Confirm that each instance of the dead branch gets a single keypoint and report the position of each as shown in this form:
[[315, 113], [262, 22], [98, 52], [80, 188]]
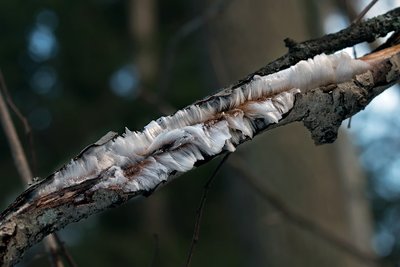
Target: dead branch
[[15, 145], [114, 169], [183, 32], [21, 162], [200, 209]]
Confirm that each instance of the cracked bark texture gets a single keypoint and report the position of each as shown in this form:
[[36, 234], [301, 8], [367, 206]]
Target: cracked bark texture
[[322, 110]]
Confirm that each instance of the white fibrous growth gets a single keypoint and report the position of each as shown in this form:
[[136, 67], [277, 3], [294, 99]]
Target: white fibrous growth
[[139, 161]]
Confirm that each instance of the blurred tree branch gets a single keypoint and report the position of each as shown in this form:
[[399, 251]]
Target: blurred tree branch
[[21, 163], [52, 242], [200, 209], [183, 32], [296, 218]]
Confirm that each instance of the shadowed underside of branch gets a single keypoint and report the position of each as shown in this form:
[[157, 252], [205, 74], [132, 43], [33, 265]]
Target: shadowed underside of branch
[[321, 92]]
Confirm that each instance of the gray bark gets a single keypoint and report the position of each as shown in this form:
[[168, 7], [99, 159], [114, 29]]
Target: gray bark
[[33, 215]]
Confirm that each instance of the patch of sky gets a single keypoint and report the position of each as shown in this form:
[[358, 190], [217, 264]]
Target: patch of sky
[[376, 131], [383, 242], [387, 102], [377, 120], [335, 21], [124, 81], [379, 7], [374, 156], [388, 183]]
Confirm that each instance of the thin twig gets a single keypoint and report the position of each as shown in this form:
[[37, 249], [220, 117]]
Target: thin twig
[[21, 162], [357, 20], [298, 219], [15, 145], [200, 209], [62, 200], [67, 255], [183, 32], [22, 118], [302, 222], [52, 249], [365, 11], [349, 123]]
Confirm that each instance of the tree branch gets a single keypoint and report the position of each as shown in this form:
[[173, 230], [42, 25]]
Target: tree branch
[[21, 162], [17, 151], [321, 92], [366, 31], [298, 219]]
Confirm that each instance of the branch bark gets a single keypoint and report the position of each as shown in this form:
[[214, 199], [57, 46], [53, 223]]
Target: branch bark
[[90, 184], [21, 161]]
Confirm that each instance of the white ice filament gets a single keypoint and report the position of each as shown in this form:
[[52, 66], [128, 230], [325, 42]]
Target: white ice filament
[[142, 160]]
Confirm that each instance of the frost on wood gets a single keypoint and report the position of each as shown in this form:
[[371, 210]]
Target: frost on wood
[[140, 161], [117, 168]]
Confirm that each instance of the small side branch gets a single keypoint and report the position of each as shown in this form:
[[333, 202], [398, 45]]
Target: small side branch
[[296, 218], [366, 31], [199, 212], [16, 148], [51, 241]]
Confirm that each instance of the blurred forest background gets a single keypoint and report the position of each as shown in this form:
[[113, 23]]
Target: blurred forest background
[[78, 69]]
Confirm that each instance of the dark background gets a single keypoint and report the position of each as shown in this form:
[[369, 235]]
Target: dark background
[[78, 69]]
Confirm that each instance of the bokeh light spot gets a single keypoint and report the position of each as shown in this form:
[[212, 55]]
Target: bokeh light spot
[[44, 80], [124, 81]]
